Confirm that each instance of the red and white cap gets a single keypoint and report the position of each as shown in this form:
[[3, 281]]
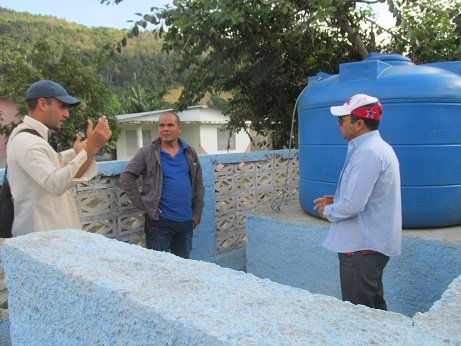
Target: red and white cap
[[361, 105]]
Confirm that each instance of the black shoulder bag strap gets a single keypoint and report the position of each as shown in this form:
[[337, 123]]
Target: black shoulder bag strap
[[34, 132], [6, 201]]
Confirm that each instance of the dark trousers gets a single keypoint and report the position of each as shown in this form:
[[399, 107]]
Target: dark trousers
[[169, 235], [362, 278]]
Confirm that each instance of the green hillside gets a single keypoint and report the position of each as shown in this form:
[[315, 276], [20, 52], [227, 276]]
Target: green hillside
[[85, 60], [141, 62]]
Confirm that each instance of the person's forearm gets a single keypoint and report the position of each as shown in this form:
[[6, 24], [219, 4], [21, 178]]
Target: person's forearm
[[85, 166]]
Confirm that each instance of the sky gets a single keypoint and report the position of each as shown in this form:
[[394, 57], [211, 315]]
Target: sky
[[87, 12]]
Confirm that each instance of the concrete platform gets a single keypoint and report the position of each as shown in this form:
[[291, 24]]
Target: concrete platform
[[294, 214]]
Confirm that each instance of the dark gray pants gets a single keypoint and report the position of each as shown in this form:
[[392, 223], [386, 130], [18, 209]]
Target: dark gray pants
[[362, 278]]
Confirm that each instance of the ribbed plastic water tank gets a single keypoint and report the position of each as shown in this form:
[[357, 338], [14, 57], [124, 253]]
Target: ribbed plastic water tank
[[421, 120]]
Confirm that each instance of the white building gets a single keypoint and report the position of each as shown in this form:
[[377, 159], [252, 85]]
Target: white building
[[202, 128]]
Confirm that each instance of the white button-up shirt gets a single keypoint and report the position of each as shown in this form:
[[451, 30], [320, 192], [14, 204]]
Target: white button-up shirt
[[41, 181], [366, 213]]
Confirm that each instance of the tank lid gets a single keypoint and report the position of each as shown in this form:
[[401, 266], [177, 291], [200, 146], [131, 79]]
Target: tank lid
[[389, 58]]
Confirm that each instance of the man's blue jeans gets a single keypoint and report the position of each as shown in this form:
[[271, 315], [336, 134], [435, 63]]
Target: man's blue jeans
[[169, 235]]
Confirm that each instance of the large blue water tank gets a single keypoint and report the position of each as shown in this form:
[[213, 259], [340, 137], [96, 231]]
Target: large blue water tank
[[421, 120]]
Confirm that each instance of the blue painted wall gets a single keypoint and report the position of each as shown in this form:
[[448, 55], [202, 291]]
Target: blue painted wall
[[204, 242], [289, 251]]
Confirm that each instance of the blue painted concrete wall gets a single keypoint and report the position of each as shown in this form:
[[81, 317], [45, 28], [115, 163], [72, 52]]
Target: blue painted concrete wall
[[204, 242], [91, 290], [291, 253], [286, 247]]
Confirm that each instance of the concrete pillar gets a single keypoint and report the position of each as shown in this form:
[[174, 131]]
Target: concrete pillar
[[139, 135]]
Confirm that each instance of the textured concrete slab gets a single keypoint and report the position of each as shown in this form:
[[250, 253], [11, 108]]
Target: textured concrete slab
[[74, 288], [5, 339]]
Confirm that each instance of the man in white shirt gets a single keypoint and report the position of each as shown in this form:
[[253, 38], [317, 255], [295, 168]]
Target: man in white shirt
[[365, 212], [41, 178]]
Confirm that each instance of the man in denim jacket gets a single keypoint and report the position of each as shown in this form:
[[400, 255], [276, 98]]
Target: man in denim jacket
[[172, 188]]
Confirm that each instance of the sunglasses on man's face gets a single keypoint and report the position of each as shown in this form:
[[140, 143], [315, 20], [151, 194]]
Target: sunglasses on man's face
[[341, 119]]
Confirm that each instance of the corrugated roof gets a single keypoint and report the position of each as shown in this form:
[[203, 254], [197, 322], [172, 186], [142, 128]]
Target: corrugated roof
[[197, 114]]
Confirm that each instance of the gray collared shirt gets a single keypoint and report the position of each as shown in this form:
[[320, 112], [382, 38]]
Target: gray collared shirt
[[366, 213]]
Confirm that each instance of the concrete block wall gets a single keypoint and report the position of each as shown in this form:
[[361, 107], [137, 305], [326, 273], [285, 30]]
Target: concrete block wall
[[234, 185], [70, 287], [286, 247]]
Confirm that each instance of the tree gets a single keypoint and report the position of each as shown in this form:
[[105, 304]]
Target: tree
[[262, 50], [141, 100], [59, 64], [256, 51], [427, 30], [141, 62]]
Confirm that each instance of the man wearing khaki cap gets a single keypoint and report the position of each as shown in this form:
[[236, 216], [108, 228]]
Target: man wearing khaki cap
[[41, 178], [365, 212]]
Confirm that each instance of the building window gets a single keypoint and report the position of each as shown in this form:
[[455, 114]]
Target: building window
[[224, 140], [146, 137], [132, 140]]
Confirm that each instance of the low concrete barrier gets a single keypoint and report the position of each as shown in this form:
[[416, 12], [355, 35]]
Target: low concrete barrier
[[70, 287], [286, 247]]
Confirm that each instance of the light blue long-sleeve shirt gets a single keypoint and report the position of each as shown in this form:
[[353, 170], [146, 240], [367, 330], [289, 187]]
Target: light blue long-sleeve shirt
[[367, 213]]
